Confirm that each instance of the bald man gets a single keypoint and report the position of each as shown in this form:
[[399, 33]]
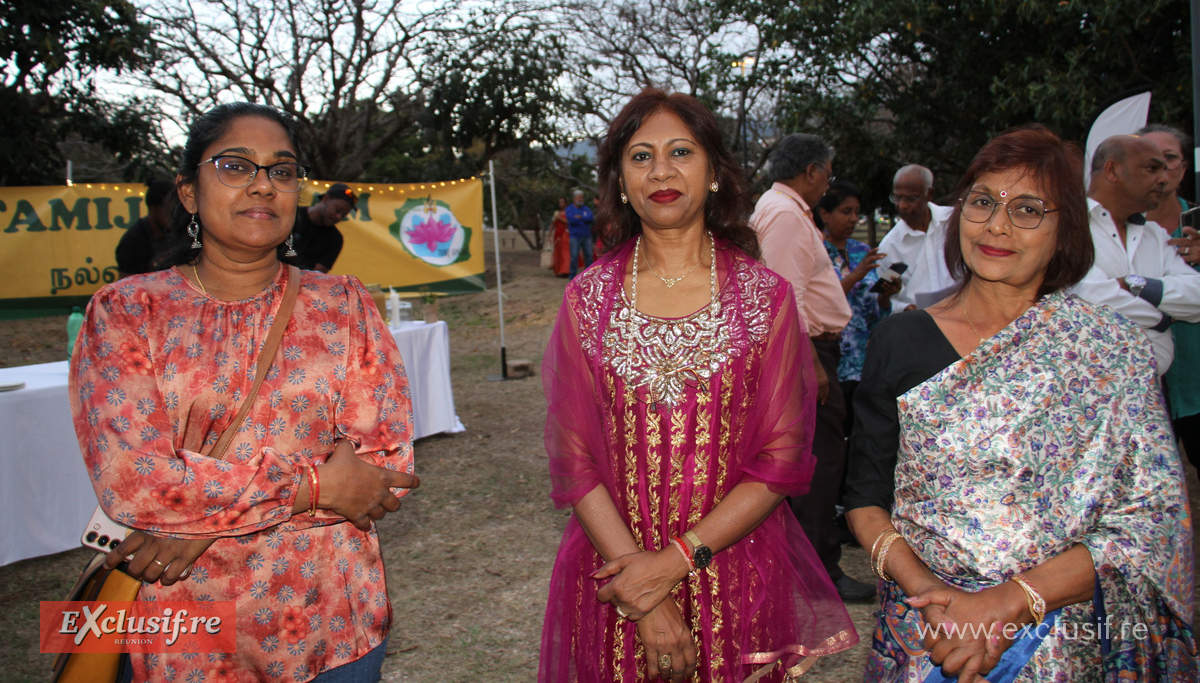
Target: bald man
[[1136, 272], [918, 238]]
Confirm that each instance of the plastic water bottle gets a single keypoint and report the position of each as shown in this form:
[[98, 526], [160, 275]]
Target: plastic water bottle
[[393, 306], [74, 323]]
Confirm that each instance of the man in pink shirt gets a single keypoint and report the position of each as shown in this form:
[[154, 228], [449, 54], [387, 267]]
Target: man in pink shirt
[[800, 168]]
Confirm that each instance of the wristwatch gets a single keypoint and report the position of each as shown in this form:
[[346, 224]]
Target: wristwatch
[[701, 554], [1136, 284]]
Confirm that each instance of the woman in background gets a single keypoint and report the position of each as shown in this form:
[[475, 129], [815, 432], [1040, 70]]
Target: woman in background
[[837, 215], [562, 241]]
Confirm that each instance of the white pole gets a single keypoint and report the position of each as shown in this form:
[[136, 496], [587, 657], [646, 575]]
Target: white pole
[[499, 286]]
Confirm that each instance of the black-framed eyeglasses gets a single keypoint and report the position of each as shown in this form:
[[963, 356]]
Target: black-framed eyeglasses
[[898, 199], [234, 171], [1024, 212]]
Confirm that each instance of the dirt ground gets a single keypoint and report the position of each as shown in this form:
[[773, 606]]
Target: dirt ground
[[469, 554]]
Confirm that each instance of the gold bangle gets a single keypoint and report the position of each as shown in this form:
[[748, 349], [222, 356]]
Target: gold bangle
[[1033, 599], [314, 490], [880, 563], [875, 545]]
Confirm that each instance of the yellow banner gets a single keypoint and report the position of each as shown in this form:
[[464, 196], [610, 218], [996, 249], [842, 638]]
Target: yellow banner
[[59, 242]]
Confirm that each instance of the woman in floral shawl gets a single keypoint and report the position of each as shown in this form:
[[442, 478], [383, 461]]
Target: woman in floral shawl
[[1017, 480], [680, 415]]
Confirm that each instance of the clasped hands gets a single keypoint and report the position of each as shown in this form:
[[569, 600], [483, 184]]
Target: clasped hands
[[969, 632], [640, 589], [357, 490]]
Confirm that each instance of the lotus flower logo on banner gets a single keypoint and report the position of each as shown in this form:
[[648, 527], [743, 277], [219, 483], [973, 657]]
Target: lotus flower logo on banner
[[429, 231]]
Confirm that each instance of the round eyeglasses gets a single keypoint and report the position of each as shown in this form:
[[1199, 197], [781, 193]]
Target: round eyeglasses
[[1024, 212], [285, 176], [899, 199]]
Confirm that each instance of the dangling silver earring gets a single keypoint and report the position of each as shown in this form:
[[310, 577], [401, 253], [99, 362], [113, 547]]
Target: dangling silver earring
[[290, 252], [193, 231], [713, 187], [624, 199]]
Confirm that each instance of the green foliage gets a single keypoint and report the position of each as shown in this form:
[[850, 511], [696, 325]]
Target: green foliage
[[495, 85], [50, 52], [890, 82]]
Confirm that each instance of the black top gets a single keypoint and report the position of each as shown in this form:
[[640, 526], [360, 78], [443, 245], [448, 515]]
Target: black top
[[315, 244], [135, 251], [905, 349]]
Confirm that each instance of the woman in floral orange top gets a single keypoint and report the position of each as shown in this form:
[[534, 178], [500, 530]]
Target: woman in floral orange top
[[163, 363]]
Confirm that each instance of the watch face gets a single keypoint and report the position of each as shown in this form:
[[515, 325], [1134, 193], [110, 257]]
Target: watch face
[[701, 556], [1135, 281]]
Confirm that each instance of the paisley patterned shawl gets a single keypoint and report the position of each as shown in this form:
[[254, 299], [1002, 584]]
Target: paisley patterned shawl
[[1048, 435]]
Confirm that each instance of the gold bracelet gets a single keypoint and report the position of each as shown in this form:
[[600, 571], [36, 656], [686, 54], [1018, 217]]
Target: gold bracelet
[[875, 545], [881, 560], [1033, 600]]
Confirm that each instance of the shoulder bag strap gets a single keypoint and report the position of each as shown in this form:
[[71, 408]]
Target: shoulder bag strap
[[265, 359]]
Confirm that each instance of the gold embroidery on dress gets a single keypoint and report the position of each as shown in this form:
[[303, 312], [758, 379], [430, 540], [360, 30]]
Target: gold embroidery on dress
[[654, 476], [694, 599], [723, 444], [631, 469], [700, 468], [718, 640], [675, 474]]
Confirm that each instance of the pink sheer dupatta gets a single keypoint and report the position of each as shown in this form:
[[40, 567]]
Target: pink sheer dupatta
[[745, 415]]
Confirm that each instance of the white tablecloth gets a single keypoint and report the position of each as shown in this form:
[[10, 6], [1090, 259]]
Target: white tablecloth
[[45, 496], [425, 348]]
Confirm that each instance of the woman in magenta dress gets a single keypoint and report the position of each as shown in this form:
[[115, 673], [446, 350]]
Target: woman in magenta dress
[[161, 366], [681, 403]]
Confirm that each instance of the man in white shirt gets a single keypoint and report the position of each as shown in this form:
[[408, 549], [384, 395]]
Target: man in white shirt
[[1136, 272], [918, 238]]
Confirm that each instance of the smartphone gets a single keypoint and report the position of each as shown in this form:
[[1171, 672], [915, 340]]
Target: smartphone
[[102, 533], [892, 273]]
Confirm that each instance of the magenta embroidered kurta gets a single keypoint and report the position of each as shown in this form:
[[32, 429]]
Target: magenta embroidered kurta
[[669, 415], [160, 371]]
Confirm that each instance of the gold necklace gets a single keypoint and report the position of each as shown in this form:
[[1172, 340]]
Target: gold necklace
[[199, 281], [668, 281], [968, 319]]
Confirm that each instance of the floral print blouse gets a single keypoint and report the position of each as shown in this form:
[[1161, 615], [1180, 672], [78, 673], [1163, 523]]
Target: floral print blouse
[[161, 369], [864, 306]]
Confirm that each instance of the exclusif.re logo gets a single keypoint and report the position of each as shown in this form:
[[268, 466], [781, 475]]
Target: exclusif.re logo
[[141, 626]]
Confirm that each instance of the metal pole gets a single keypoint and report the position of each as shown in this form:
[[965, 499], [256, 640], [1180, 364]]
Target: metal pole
[[499, 285]]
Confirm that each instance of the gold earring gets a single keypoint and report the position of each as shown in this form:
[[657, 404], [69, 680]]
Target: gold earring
[[713, 187], [624, 199]]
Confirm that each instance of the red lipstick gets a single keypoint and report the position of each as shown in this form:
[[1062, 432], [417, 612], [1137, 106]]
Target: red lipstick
[[995, 251], [665, 196]]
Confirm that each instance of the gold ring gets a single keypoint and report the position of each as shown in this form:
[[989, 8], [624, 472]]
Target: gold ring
[[664, 663], [159, 563]]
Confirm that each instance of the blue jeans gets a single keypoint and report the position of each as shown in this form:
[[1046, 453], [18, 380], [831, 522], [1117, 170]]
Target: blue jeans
[[577, 244], [365, 669]]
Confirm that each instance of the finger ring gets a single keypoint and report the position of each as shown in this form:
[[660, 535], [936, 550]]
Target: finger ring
[[159, 563], [621, 613], [664, 662], [1186, 250]]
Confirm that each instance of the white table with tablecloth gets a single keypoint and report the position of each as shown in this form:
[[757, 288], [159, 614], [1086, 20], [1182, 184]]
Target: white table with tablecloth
[[45, 496]]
